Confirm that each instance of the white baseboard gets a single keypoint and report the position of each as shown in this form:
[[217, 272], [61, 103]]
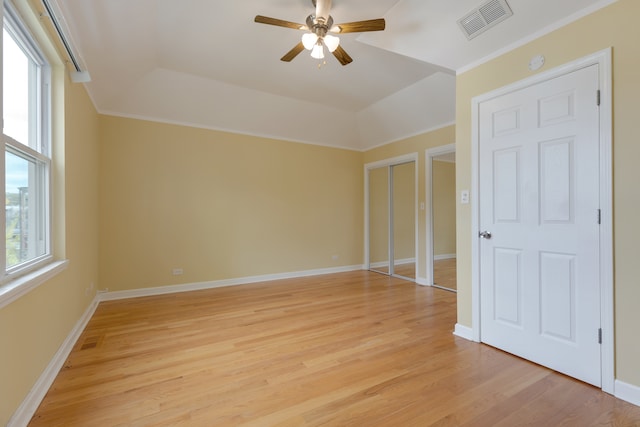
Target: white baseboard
[[405, 261], [161, 290], [397, 262], [463, 332], [443, 256], [30, 404], [627, 392]]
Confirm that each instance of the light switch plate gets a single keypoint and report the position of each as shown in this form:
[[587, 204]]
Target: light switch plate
[[464, 197]]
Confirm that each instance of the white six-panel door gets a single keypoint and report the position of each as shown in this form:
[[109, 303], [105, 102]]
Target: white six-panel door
[[539, 207]]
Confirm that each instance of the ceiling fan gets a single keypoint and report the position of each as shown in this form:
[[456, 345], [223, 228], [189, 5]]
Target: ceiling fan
[[319, 25]]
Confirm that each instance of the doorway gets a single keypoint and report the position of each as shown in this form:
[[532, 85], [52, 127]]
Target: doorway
[[440, 174], [391, 216], [542, 280]]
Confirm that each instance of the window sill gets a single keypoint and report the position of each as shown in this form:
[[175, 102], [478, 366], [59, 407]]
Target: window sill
[[16, 288]]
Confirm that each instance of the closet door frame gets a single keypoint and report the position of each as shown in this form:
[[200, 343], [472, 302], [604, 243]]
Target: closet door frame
[[389, 163]]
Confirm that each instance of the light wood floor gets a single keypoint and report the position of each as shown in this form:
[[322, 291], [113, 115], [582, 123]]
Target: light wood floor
[[350, 349], [444, 273]]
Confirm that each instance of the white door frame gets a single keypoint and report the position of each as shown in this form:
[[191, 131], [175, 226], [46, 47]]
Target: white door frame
[[428, 176], [603, 60], [407, 158]]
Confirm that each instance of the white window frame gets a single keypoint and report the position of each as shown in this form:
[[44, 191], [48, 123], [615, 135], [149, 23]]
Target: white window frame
[[19, 279]]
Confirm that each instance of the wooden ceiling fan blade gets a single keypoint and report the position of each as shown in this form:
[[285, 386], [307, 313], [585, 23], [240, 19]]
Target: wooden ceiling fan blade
[[360, 26], [288, 57], [279, 23], [342, 56]]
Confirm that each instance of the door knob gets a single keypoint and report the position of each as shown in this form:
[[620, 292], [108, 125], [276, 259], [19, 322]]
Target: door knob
[[485, 235]]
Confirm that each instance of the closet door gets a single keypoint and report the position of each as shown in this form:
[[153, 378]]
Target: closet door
[[403, 220], [379, 220]]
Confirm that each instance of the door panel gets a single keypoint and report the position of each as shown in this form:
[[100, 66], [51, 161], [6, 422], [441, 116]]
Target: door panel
[[507, 284], [557, 296], [505, 177], [557, 181], [539, 199]]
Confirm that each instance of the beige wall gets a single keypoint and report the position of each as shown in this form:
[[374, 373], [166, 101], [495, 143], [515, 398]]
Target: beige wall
[[614, 26], [444, 207], [33, 327], [417, 144], [221, 205]]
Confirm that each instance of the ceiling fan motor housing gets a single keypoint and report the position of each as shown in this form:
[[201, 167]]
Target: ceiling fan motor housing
[[318, 26]]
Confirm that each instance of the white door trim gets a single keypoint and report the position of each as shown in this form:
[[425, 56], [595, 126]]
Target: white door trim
[[603, 59], [428, 169]]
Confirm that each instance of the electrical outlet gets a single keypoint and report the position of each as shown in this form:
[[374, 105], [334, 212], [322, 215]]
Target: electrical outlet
[[177, 271], [335, 257], [89, 290]]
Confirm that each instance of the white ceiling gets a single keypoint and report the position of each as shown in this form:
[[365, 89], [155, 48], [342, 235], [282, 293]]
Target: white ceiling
[[205, 63]]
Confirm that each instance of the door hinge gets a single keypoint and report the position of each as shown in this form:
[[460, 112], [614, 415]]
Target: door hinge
[[599, 335], [598, 97], [599, 216]]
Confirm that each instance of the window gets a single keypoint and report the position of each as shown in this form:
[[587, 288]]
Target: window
[[27, 158]]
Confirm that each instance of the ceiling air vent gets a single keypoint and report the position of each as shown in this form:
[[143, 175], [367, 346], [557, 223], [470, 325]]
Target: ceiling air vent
[[484, 17]]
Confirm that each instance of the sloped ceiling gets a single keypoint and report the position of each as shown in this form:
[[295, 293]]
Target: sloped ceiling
[[205, 63]]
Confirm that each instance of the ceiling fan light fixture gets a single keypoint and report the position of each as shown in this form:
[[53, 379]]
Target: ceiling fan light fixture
[[309, 40], [331, 42], [316, 30], [318, 51]]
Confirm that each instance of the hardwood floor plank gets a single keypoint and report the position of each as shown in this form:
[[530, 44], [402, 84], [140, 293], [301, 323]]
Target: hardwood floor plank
[[349, 349]]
